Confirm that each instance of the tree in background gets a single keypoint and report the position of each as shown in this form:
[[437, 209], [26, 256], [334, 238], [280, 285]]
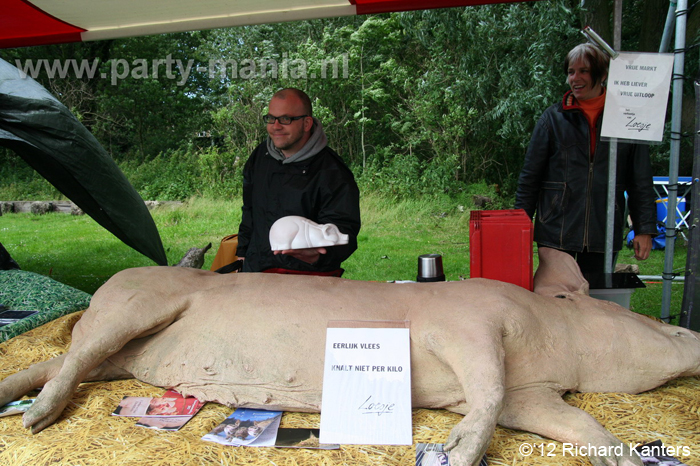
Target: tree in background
[[420, 102], [121, 89]]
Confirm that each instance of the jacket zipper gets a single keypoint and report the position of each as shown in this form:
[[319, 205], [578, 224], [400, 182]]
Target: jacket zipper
[[588, 203], [589, 193], [591, 161]]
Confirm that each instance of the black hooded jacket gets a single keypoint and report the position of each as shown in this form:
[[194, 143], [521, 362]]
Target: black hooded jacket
[[321, 188], [568, 189]]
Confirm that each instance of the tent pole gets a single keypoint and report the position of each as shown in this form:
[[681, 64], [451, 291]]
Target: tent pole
[[612, 160], [668, 28], [690, 317], [678, 66]]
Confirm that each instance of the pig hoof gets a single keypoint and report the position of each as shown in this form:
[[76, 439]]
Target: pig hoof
[[40, 416], [462, 455], [462, 452]]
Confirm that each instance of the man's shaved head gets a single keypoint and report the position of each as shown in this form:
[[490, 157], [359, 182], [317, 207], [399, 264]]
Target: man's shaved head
[[295, 93]]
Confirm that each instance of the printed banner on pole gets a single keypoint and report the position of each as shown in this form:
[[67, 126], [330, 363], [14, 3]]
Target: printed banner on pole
[[367, 387], [637, 96]]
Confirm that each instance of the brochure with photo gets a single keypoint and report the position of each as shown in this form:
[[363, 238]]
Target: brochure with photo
[[8, 317], [302, 438], [433, 454], [16, 407], [132, 406], [656, 454], [163, 422], [247, 427], [170, 404], [169, 412]]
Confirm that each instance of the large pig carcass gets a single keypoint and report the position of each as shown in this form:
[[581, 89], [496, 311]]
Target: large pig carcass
[[491, 351]]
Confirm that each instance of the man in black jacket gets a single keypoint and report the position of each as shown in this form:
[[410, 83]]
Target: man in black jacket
[[294, 172]]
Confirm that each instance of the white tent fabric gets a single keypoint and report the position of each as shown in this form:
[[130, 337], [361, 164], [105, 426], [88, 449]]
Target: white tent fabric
[[36, 22]]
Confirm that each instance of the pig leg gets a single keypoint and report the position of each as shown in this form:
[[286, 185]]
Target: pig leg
[[97, 336], [541, 410], [17, 385], [483, 381], [35, 376]]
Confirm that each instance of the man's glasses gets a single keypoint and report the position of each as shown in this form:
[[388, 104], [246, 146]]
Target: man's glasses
[[284, 120]]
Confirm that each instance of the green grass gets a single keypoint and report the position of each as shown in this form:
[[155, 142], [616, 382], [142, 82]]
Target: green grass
[[78, 252], [394, 235], [75, 250], [648, 300]]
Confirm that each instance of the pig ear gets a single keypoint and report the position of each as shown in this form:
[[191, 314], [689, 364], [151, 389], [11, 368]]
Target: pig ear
[[558, 272]]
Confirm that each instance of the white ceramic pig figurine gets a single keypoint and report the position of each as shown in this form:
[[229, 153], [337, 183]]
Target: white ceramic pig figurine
[[295, 232]]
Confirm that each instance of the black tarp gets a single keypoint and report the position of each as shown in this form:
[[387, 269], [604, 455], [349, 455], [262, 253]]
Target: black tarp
[[41, 130]]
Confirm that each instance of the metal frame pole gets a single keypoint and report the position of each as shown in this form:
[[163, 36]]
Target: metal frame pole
[[668, 27], [612, 159], [690, 317], [677, 103]]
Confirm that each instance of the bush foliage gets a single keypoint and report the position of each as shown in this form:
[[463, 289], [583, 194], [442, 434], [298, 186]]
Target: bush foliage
[[417, 103]]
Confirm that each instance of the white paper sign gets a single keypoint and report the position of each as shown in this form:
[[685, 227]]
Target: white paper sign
[[367, 387], [637, 96]]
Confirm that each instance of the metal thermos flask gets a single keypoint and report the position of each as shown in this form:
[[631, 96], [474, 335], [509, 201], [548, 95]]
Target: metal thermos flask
[[430, 268]]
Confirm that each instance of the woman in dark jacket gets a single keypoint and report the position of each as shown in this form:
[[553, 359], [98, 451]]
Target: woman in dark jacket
[[565, 176]]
